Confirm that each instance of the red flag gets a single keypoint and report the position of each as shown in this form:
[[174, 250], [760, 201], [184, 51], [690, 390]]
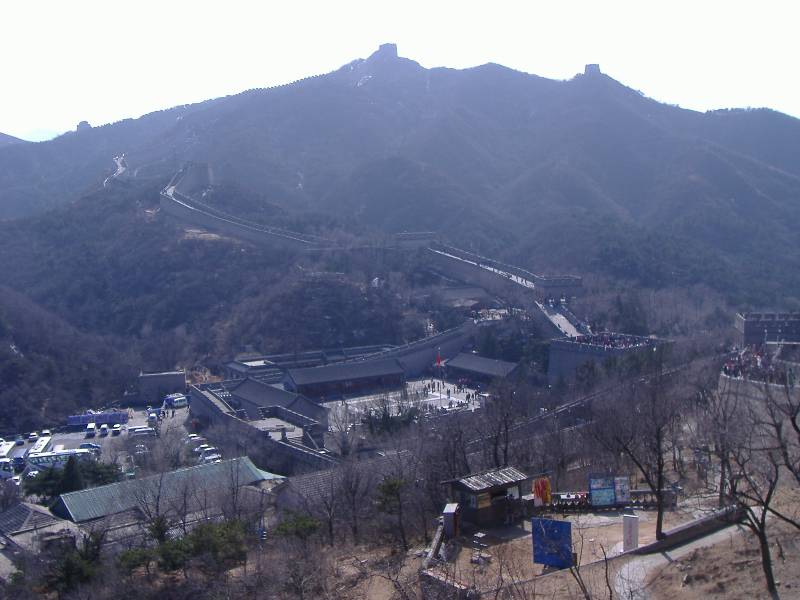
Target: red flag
[[438, 359]]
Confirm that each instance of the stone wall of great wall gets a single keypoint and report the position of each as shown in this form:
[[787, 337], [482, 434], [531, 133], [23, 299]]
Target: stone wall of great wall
[[418, 357], [188, 211], [279, 456], [495, 284]]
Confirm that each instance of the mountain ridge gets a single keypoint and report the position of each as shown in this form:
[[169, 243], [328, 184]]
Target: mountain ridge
[[501, 160]]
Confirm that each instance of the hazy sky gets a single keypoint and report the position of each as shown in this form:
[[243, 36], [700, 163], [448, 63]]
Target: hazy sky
[[66, 61]]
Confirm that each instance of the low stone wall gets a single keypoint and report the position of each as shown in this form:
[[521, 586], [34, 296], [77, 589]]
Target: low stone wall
[[280, 457], [694, 530], [434, 586]]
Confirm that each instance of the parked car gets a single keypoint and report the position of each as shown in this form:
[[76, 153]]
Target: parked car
[[103, 430], [46, 433], [18, 463], [116, 429], [90, 446], [32, 473], [201, 448], [32, 437], [20, 441], [210, 458]]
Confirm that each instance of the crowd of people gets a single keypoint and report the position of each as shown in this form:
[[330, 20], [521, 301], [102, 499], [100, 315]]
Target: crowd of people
[[757, 363], [613, 340]]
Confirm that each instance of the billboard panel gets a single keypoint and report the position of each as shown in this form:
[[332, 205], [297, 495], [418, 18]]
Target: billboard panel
[[601, 490], [552, 542], [622, 490]]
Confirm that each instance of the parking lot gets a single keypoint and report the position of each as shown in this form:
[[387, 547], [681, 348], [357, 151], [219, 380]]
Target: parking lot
[[110, 445]]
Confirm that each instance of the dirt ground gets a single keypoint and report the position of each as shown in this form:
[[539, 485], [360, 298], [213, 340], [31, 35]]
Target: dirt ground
[[731, 570], [592, 534]]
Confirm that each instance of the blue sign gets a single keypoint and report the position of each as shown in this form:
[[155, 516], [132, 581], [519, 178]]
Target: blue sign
[[552, 542], [601, 491]]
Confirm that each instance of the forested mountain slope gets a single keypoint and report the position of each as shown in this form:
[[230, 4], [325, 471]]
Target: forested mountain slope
[[575, 175]]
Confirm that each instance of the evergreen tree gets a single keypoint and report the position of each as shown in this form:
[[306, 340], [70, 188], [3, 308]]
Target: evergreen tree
[[71, 478]]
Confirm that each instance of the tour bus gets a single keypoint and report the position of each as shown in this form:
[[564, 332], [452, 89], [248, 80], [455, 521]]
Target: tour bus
[[6, 468], [91, 430], [40, 446], [6, 448], [142, 431], [57, 460]]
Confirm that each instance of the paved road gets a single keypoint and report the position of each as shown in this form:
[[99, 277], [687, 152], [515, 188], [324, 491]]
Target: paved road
[[559, 320]]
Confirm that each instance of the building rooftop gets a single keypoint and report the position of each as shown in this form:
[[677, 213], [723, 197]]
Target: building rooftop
[[107, 500], [263, 394], [491, 479], [346, 371], [361, 473], [274, 427], [24, 517], [490, 367]]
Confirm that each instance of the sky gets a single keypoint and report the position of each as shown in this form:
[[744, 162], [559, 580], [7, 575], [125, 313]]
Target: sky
[[64, 62]]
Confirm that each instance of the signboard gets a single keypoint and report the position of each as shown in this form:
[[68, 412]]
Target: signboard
[[552, 542], [601, 490], [630, 532], [484, 501], [622, 490]]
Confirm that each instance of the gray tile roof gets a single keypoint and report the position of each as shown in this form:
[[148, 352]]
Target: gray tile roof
[[106, 500], [486, 480], [309, 487], [263, 394], [484, 366], [25, 516], [362, 369]]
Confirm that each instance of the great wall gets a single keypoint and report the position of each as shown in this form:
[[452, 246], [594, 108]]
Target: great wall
[[514, 284]]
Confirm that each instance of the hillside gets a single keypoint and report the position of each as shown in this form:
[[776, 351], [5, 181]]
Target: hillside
[[7, 140], [49, 369], [583, 175]]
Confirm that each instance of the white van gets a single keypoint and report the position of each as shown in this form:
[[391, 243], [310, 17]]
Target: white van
[[91, 430], [103, 430]]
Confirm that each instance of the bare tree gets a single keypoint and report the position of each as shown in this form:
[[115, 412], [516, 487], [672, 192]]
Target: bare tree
[[782, 419], [354, 483], [502, 412], [153, 502], [755, 474], [636, 423], [719, 425]]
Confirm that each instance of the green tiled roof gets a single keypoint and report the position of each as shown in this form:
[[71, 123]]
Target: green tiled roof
[[115, 498]]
